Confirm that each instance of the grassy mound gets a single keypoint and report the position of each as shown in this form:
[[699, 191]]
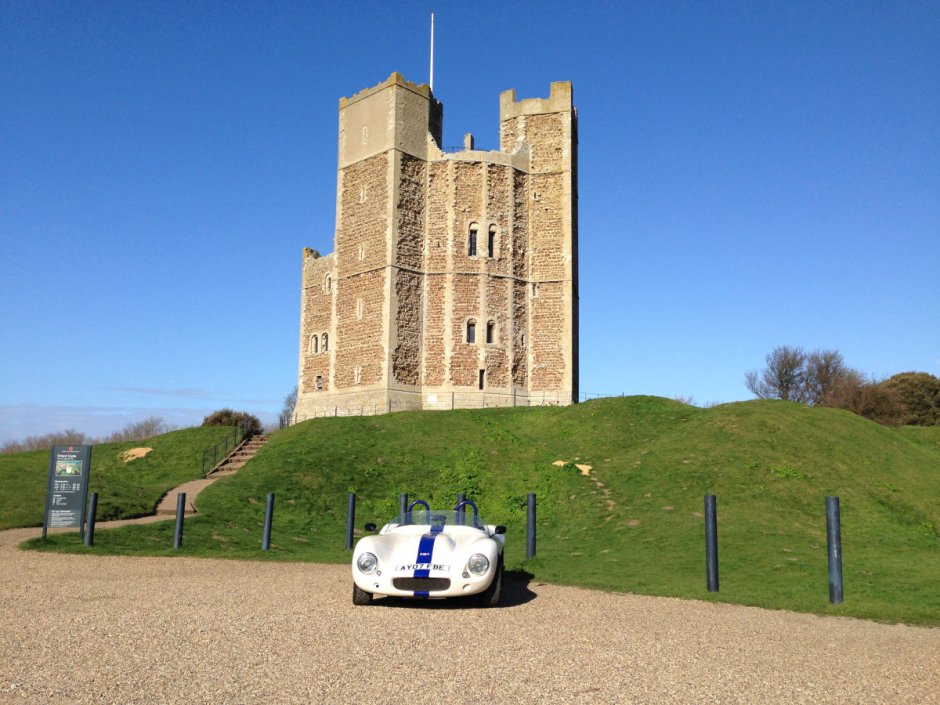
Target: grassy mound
[[634, 522], [126, 488]]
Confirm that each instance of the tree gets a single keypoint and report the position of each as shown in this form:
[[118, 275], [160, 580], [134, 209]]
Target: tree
[[826, 372], [139, 430], [228, 417], [287, 411], [871, 399], [783, 378], [919, 394]]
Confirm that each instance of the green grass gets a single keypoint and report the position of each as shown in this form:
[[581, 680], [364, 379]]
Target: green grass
[[125, 489], [635, 524]]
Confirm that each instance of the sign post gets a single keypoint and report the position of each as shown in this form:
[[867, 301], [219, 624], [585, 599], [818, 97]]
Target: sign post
[[67, 491]]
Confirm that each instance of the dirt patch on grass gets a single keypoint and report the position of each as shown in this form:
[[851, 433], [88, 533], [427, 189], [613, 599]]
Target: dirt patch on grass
[[134, 453]]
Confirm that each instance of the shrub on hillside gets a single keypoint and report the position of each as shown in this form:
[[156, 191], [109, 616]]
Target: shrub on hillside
[[228, 417], [919, 393]]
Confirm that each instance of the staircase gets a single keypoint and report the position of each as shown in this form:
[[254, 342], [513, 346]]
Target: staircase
[[229, 466], [241, 455]]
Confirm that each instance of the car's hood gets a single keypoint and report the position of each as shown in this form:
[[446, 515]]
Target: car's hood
[[409, 545]]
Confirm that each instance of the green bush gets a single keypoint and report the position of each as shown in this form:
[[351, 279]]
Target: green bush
[[228, 417]]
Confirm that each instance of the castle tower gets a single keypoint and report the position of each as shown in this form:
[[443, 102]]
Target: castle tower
[[453, 281]]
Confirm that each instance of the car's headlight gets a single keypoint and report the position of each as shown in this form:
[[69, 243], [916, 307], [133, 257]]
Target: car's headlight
[[478, 564], [367, 562]]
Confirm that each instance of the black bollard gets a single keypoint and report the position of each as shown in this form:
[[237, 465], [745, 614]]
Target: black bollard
[[350, 520], [834, 540], [460, 512], [530, 526], [180, 510], [92, 508], [268, 518], [711, 543]]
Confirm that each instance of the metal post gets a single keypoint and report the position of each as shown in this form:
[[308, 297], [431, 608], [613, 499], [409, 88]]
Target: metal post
[[711, 543], [403, 505], [180, 510], [834, 540], [92, 508], [350, 520], [460, 512], [268, 518], [530, 526]]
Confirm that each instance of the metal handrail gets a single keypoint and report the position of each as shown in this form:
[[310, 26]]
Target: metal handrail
[[211, 457]]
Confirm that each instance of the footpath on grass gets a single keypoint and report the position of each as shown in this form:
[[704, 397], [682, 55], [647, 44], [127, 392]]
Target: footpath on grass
[[166, 508]]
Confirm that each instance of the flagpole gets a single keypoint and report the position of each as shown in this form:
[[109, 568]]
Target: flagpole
[[431, 83]]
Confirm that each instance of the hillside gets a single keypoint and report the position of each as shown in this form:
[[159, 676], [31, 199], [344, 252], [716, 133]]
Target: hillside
[[635, 522], [128, 487]]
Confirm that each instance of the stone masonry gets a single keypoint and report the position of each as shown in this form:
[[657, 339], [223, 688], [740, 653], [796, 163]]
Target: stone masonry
[[454, 277]]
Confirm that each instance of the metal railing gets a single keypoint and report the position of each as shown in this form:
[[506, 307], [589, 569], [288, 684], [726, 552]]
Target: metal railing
[[211, 457]]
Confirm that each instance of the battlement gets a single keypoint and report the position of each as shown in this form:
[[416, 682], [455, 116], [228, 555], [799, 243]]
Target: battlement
[[560, 99], [394, 79]]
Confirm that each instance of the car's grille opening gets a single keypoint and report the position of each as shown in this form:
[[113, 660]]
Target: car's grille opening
[[422, 584]]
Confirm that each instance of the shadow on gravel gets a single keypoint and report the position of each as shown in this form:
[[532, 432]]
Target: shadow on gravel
[[515, 592]]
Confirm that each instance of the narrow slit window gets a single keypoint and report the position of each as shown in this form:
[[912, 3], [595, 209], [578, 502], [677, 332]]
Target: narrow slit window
[[491, 243], [326, 342], [471, 331], [472, 242], [482, 377], [490, 331], [319, 381]]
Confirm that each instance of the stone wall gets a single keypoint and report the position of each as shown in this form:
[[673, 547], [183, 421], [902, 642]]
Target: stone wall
[[404, 284]]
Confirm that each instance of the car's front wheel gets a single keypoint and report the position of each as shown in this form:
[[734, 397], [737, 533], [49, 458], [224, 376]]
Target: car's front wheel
[[490, 596], [360, 596]]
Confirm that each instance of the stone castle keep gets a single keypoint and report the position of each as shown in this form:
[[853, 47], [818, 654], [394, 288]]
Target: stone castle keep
[[454, 277]]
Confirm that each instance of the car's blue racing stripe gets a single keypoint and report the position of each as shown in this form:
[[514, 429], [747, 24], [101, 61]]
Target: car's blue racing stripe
[[425, 550]]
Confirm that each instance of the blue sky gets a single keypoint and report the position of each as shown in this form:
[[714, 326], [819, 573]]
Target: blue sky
[[751, 174]]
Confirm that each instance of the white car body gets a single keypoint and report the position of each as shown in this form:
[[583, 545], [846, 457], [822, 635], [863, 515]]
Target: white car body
[[427, 555]]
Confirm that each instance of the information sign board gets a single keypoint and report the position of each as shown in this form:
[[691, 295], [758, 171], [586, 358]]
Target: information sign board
[[67, 492]]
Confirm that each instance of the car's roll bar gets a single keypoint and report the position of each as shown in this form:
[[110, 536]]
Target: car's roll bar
[[476, 513]]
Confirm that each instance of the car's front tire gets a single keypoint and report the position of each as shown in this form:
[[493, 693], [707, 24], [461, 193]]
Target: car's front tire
[[490, 596], [360, 596]]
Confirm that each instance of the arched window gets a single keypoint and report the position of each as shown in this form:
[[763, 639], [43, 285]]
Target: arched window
[[326, 342], [313, 346], [490, 332], [491, 242], [471, 331], [472, 240], [328, 283]]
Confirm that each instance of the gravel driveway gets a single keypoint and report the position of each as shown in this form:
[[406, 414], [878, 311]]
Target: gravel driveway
[[79, 629]]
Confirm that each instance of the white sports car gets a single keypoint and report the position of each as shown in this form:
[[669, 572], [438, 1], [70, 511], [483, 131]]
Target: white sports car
[[430, 553]]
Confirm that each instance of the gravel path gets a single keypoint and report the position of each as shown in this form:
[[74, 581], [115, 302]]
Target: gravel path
[[82, 629]]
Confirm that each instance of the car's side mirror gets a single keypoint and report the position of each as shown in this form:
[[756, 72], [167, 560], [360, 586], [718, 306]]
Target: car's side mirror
[[500, 529], [370, 526]]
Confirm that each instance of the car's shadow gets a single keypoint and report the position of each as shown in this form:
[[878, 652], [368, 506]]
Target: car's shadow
[[515, 592]]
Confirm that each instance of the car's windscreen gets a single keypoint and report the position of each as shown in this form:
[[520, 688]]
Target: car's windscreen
[[435, 518]]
